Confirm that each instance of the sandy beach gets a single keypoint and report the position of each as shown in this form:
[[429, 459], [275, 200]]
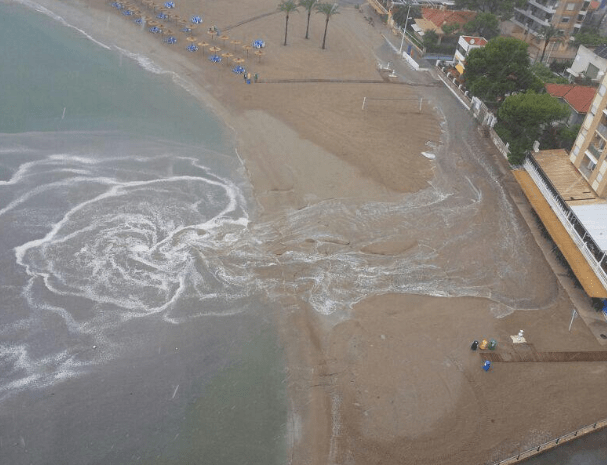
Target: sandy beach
[[389, 376]]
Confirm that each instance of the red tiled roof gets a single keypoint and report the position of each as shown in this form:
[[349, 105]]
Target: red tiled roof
[[579, 97], [480, 41], [594, 5], [441, 17]]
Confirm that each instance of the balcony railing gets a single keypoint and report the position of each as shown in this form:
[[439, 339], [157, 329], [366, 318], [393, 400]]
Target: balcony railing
[[602, 130], [595, 151], [549, 7], [595, 257]]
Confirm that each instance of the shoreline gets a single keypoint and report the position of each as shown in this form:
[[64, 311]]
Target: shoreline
[[436, 403]]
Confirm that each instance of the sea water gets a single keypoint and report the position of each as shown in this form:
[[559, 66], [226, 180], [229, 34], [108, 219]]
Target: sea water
[[129, 332]]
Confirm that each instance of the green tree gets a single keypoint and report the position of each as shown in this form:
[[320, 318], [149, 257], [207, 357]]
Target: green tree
[[430, 39], [287, 7], [328, 10], [522, 118], [548, 34], [308, 5], [499, 68], [486, 25], [547, 75], [501, 8], [450, 29], [399, 14], [589, 36]]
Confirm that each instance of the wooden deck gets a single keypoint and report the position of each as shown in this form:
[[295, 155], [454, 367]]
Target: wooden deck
[[533, 356], [560, 236], [566, 179]]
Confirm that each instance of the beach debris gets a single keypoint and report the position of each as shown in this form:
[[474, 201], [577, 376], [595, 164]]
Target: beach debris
[[192, 48], [259, 43], [486, 365], [169, 4], [519, 338], [474, 345], [196, 19], [429, 155]]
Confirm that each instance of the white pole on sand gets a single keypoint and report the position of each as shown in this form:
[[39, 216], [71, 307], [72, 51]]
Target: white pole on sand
[[573, 315], [364, 101]]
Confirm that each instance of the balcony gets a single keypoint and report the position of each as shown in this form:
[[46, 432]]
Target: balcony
[[596, 151], [602, 130], [548, 7]]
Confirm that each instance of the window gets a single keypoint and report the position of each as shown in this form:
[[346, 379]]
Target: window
[[565, 19], [602, 90], [570, 6], [592, 71]]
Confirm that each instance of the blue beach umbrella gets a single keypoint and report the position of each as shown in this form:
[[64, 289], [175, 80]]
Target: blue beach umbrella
[[196, 19], [238, 70], [162, 15], [259, 43], [169, 4], [139, 21], [127, 12], [117, 5], [170, 40], [215, 58], [191, 48], [155, 30]]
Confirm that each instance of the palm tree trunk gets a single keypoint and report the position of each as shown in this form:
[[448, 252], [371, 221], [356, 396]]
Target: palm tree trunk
[[544, 51], [286, 28], [308, 25], [324, 37]]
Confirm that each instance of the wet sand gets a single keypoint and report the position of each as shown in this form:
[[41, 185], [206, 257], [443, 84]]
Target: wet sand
[[391, 379]]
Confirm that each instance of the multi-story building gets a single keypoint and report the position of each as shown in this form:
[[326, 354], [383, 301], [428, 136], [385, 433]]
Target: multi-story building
[[569, 193], [589, 154], [567, 16]]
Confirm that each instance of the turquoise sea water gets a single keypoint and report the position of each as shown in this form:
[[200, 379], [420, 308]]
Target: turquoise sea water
[[128, 331]]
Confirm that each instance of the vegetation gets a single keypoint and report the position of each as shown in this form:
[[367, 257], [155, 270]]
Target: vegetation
[[559, 137], [522, 118], [546, 75], [484, 24], [287, 7], [589, 36], [559, 67], [549, 34], [399, 14], [499, 69], [308, 5], [327, 9], [501, 8]]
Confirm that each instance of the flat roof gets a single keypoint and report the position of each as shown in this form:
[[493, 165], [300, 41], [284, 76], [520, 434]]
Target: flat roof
[[594, 219], [582, 270]]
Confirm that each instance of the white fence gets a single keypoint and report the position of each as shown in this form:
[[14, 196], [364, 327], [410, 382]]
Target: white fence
[[554, 443], [578, 233]]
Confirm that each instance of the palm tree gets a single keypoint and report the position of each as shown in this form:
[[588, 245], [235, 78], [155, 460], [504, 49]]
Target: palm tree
[[308, 6], [547, 33], [287, 6], [328, 10]]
